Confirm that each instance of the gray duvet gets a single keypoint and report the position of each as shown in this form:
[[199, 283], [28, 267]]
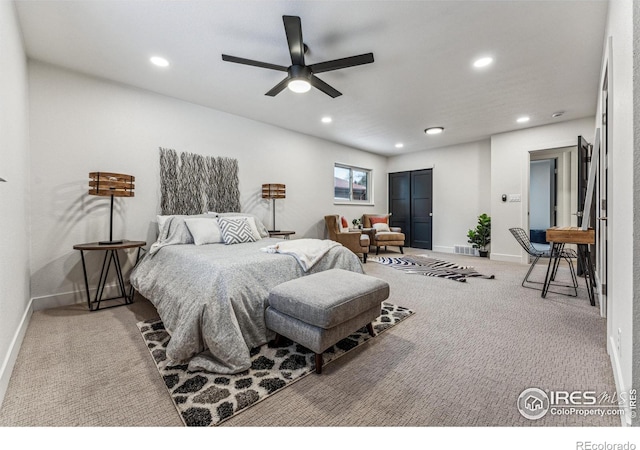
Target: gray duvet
[[212, 298]]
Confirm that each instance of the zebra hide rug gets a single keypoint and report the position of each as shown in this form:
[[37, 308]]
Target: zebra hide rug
[[430, 267]]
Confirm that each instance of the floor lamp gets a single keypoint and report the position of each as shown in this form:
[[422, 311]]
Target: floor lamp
[[107, 184], [273, 191]]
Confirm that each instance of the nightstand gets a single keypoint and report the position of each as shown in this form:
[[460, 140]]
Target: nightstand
[[284, 234], [110, 256]]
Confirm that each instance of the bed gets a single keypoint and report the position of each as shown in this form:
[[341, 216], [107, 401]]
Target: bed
[[212, 297]]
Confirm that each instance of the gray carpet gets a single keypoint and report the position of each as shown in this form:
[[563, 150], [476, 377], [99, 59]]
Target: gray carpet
[[462, 360]]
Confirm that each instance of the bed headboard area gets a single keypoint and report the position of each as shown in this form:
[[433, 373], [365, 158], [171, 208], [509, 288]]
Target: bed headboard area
[[195, 184]]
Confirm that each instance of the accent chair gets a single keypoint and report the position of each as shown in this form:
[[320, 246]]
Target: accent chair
[[355, 241], [384, 235]]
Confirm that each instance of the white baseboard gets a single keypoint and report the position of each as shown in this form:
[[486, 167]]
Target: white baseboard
[[56, 300], [71, 298], [12, 355], [625, 419], [506, 258], [442, 249]]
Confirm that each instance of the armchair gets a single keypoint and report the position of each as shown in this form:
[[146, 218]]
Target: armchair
[[384, 235], [355, 241]]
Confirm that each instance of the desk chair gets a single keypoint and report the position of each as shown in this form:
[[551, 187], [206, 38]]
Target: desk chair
[[544, 251]]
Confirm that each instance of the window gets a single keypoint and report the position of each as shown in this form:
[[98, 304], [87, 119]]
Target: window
[[351, 184]]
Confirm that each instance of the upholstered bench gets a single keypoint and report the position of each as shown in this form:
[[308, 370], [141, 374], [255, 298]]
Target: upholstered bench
[[319, 310]]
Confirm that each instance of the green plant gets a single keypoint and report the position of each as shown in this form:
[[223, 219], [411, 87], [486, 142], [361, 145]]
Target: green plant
[[355, 222], [481, 236]]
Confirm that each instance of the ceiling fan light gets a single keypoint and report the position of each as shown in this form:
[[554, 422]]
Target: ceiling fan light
[[299, 86]]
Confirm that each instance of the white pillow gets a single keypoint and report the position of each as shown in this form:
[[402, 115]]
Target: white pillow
[[162, 220], [204, 231], [381, 227]]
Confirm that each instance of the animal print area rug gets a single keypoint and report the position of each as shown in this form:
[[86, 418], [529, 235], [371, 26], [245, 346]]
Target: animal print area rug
[[423, 265], [204, 398]]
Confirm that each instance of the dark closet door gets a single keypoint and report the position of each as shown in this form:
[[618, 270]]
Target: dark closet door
[[400, 202], [584, 159], [421, 208]]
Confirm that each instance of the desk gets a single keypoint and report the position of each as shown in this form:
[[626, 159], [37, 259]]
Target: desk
[[558, 237], [110, 256]]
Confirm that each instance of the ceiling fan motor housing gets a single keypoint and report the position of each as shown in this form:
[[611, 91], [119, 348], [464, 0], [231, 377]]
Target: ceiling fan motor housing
[[299, 72]]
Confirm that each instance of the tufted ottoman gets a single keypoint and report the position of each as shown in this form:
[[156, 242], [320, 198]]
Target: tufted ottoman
[[319, 310]]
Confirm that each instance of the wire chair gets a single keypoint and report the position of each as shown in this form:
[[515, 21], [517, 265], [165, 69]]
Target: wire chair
[[567, 254]]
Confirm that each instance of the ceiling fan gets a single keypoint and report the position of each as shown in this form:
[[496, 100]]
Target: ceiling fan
[[301, 77]]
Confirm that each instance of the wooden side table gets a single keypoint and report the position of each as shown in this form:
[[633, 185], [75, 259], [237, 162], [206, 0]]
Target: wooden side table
[[110, 256], [284, 234]]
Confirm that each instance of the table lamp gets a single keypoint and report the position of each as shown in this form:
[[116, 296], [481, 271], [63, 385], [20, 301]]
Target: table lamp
[[273, 191], [114, 185]]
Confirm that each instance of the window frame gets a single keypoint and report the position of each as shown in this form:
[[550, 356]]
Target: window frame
[[351, 201]]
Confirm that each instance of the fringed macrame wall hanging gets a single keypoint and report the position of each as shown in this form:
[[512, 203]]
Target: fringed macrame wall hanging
[[194, 184]]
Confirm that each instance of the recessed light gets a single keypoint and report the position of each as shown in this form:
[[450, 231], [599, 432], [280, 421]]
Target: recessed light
[[434, 130], [399, 145], [555, 115], [482, 62], [159, 61], [326, 119], [523, 119]]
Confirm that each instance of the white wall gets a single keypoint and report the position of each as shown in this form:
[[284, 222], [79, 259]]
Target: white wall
[[81, 124], [14, 194], [510, 175], [461, 186], [621, 233]]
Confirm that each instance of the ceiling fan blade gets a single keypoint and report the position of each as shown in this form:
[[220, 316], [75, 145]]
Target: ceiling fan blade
[[324, 87], [250, 62], [293, 29], [342, 63], [278, 88]]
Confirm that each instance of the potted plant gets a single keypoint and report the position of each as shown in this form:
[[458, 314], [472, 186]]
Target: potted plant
[[481, 236], [356, 223]]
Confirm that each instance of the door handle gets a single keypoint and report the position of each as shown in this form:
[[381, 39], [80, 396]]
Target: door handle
[[430, 214], [603, 218]]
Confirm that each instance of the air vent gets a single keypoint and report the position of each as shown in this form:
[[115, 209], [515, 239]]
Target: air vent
[[465, 250]]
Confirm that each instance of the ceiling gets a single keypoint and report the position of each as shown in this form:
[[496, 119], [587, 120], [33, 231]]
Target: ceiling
[[547, 57]]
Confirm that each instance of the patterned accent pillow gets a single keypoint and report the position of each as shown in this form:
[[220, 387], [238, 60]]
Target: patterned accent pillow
[[236, 230], [375, 220]]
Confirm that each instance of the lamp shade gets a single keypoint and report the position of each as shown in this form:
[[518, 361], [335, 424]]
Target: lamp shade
[[273, 190], [108, 183]]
